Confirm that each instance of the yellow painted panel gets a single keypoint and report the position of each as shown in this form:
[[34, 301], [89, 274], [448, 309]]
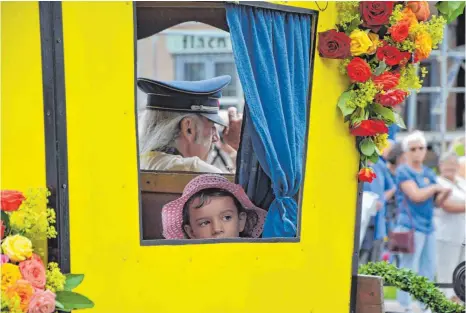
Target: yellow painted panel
[[22, 112], [121, 276]]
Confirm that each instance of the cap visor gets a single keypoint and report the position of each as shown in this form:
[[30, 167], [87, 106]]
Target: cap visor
[[217, 119]]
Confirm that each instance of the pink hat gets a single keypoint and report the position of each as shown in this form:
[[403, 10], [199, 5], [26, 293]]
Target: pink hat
[[172, 212]]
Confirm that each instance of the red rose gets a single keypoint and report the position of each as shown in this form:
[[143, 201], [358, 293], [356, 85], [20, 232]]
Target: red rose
[[366, 174], [375, 13], [391, 98], [392, 56], [11, 200], [358, 70], [334, 45], [387, 80], [399, 31], [2, 230], [369, 128]]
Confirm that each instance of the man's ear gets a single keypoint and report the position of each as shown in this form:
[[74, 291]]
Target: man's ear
[[189, 231], [242, 221], [188, 129]]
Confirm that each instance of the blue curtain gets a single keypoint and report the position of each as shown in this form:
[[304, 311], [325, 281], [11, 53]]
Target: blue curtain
[[271, 50]]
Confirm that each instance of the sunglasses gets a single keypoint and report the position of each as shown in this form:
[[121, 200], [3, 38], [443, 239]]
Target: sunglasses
[[413, 149]]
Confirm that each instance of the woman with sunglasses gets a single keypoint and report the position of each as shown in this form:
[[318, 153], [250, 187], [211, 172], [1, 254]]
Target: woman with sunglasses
[[418, 193]]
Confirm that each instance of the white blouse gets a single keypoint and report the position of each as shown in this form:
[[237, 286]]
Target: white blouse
[[451, 226]]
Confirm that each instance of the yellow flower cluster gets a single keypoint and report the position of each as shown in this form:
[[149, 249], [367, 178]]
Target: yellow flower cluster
[[11, 304], [34, 219], [363, 95], [409, 79], [348, 11], [55, 279], [381, 142], [343, 65]]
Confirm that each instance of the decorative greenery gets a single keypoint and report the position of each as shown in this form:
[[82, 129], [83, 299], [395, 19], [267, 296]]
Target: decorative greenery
[[450, 10], [418, 286], [27, 284], [380, 45]]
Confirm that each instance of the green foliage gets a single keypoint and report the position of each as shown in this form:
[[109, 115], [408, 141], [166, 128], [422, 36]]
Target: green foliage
[[418, 286], [450, 10]]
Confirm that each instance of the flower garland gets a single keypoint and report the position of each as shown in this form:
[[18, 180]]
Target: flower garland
[[27, 284], [418, 286], [380, 44]]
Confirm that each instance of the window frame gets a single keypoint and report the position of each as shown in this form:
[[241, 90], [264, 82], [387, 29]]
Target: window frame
[[212, 13]]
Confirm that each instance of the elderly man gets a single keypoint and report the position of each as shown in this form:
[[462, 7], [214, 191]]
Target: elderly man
[[177, 129]]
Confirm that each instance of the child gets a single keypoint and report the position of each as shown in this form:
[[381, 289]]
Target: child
[[212, 207]]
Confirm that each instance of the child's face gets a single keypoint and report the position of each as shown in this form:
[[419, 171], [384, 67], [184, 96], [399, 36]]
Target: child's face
[[218, 218]]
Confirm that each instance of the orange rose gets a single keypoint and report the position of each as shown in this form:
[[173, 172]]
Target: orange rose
[[24, 290], [375, 43], [420, 8], [423, 44], [410, 17]]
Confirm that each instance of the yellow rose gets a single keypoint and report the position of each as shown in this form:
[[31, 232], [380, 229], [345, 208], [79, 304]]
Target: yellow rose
[[360, 42], [423, 44], [375, 43], [17, 248], [10, 274]]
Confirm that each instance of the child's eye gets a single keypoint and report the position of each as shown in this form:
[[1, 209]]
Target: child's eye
[[227, 217], [204, 223]]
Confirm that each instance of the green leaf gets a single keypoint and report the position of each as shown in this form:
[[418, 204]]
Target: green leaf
[[367, 147], [386, 113], [6, 219], [73, 281], [450, 10], [72, 300], [399, 120], [61, 307], [380, 69], [345, 110], [353, 25], [374, 158]]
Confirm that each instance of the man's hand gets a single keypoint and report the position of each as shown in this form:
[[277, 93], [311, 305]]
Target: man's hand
[[232, 133]]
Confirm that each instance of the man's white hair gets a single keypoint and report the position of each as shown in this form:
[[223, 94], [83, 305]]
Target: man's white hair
[[158, 130], [413, 137], [448, 156]]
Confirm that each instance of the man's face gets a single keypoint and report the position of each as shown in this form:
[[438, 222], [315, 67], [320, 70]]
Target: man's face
[[206, 136]]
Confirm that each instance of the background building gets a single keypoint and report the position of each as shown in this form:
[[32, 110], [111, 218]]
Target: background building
[[190, 51]]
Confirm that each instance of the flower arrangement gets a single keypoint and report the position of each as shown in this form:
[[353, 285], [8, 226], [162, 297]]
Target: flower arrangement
[[379, 44], [28, 285]]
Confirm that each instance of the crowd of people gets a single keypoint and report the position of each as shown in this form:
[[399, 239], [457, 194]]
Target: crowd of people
[[428, 201]]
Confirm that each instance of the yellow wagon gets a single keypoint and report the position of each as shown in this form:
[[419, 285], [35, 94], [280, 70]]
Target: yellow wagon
[[69, 123]]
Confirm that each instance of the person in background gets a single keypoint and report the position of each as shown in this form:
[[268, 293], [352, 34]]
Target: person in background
[[462, 167], [450, 221], [384, 186], [417, 194], [395, 158]]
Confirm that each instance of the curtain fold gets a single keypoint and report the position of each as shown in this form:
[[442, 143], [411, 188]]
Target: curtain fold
[[271, 50]]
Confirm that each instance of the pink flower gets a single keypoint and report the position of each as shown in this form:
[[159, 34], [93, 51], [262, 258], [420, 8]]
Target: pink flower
[[4, 258], [42, 302], [34, 272]]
